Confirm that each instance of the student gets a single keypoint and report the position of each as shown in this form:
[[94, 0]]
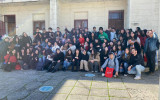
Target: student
[[55, 47], [94, 60], [12, 62], [67, 60], [111, 62], [102, 35], [72, 47], [151, 45], [81, 40], [113, 34], [34, 59], [136, 64], [104, 55], [64, 48], [37, 35], [59, 59], [84, 61], [25, 39], [125, 61], [76, 60]]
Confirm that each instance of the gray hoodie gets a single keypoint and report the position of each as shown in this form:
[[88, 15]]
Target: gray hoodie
[[112, 63]]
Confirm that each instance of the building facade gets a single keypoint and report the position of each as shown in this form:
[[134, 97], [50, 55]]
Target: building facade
[[18, 16]]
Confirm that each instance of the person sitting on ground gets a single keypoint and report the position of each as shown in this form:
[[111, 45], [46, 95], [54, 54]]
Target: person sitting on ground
[[84, 61], [68, 60], [94, 60], [136, 64], [76, 60], [111, 62]]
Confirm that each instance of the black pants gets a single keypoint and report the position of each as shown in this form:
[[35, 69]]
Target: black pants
[[75, 63], [151, 60], [47, 64]]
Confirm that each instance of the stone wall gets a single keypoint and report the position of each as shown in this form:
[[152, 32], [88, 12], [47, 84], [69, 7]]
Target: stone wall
[[24, 16]]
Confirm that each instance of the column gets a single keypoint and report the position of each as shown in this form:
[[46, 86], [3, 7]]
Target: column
[[53, 14]]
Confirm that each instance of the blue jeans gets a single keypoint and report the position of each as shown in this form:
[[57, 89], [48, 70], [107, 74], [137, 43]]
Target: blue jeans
[[66, 64], [137, 70], [125, 68]]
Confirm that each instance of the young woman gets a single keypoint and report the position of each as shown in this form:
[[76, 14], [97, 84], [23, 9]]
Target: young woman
[[12, 61], [81, 40], [125, 61], [67, 60], [94, 60], [55, 47], [34, 59], [84, 61], [64, 48], [76, 60], [25, 39], [104, 55], [59, 59]]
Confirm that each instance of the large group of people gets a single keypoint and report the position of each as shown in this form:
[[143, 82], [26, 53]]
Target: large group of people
[[82, 50]]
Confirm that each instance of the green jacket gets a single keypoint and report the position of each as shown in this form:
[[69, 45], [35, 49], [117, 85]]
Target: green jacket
[[103, 36]]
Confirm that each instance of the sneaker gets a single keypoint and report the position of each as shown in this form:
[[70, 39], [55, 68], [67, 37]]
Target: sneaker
[[125, 75], [96, 71], [92, 71], [137, 78], [114, 76], [103, 74]]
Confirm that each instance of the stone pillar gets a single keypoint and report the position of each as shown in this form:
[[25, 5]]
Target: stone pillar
[[53, 14], [128, 14]]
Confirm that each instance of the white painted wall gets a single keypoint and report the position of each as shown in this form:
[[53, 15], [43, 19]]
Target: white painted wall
[[145, 13], [97, 12], [24, 16]]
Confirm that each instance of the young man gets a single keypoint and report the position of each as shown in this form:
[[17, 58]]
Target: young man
[[37, 36], [136, 64], [151, 45], [111, 62], [102, 35], [113, 34]]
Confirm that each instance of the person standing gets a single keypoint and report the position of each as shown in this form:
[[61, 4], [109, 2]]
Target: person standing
[[151, 45]]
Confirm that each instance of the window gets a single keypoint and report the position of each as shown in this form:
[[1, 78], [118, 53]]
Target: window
[[116, 15], [39, 24], [82, 23]]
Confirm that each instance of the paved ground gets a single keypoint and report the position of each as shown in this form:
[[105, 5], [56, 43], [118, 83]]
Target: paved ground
[[24, 85]]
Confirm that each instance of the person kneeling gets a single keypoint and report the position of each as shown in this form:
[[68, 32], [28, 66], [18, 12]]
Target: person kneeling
[[136, 64], [111, 62]]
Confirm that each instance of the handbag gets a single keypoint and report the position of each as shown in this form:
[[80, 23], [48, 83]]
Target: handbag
[[109, 72]]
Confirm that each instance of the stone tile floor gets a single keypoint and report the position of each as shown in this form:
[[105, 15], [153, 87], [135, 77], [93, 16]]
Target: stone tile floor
[[24, 85]]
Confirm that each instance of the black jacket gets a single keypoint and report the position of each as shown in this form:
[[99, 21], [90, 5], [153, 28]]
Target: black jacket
[[59, 56], [85, 57], [136, 60], [79, 57]]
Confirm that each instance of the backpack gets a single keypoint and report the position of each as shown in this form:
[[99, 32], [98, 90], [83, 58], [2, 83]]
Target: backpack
[[114, 61]]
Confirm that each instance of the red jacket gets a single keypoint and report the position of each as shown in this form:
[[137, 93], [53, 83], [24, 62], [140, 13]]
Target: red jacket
[[13, 59], [6, 58], [81, 41], [142, 39]]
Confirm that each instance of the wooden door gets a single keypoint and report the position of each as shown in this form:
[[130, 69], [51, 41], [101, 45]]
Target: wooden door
[[116, 19]]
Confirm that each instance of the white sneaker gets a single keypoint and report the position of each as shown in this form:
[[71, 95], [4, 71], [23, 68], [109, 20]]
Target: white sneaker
[[114, 76], [137, 78], [92, 71], [103, 74], [125, 75], [96, 71]]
